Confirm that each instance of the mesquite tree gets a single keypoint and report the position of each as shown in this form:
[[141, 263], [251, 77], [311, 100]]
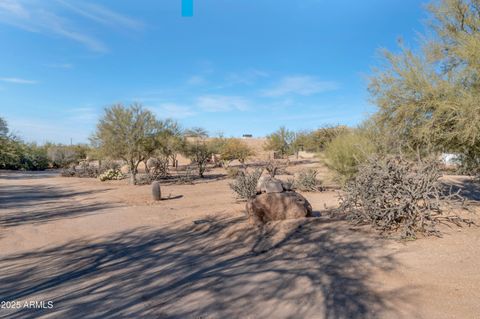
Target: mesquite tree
[[127, 133], [199, 152]]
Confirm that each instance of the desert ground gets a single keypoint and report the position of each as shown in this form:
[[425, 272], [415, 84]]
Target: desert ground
[[106, 250]]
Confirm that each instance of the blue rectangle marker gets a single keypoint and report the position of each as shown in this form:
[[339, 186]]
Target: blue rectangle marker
[[187, 8]]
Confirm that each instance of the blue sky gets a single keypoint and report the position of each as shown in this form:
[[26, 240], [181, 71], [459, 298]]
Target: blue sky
[[236, 66]]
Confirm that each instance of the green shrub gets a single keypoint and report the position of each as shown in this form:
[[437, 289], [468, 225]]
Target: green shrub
[[15, 154], [110, 175], [33, 158], [344, 153]]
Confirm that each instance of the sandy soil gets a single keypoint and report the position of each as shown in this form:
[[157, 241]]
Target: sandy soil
[[105, 250]]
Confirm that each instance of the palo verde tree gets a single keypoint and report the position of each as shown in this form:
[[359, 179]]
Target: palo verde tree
[[280, 141], [429, 100], [235, 149], [127, 133]]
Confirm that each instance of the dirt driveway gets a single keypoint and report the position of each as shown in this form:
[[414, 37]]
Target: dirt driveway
[[104, 250]]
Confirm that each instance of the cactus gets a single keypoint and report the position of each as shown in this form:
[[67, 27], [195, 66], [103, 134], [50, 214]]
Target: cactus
[[156, 192]]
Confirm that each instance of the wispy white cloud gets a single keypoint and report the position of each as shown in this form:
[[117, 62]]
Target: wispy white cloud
[[59, 65], [196, 80], [247, 77], [102, 14], [14, 7], [17, 80], [300, 85], [222, 103], [83, 114], [47, 18], [51, 130], [172, 110]]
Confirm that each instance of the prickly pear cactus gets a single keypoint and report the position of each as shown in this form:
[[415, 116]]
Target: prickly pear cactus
[[156, 192]]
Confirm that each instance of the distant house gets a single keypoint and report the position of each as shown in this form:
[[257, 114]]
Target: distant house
[[247, 135]]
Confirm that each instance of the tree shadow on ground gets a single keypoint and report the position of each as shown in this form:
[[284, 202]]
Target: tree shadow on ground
[[22, 204], [17, 196], [19, 175], [205, 270]]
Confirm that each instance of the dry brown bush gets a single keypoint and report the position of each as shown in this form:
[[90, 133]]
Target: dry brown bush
[[394, 194]]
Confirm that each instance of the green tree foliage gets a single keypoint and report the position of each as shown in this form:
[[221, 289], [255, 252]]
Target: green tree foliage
[[280, 141], [15, 154], [3, 128], [199, 152], [287, 142], [429, 100], [34, 157], [9, 147], [316, 141], [170, 139], [235, 149], [127, 133]]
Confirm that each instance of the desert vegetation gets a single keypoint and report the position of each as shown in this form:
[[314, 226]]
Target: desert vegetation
[[155, 209], [392, 193]]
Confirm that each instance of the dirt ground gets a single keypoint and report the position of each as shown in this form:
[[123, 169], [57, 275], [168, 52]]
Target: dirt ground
[[105, 250]]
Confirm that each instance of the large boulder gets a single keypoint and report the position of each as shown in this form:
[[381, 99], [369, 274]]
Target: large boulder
[[277, 206]]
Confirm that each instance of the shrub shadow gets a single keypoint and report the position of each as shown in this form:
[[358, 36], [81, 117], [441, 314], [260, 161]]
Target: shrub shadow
[[469, 189]]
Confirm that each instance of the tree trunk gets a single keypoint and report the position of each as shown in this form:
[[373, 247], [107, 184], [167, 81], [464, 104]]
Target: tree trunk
[[133, 172], [133, 177], [147, 170]]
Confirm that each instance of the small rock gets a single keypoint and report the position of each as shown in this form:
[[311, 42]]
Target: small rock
[[287, 186], [267, 184], [273, 186]]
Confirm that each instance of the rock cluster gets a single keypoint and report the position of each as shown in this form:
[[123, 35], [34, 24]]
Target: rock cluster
[[275, 200]]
